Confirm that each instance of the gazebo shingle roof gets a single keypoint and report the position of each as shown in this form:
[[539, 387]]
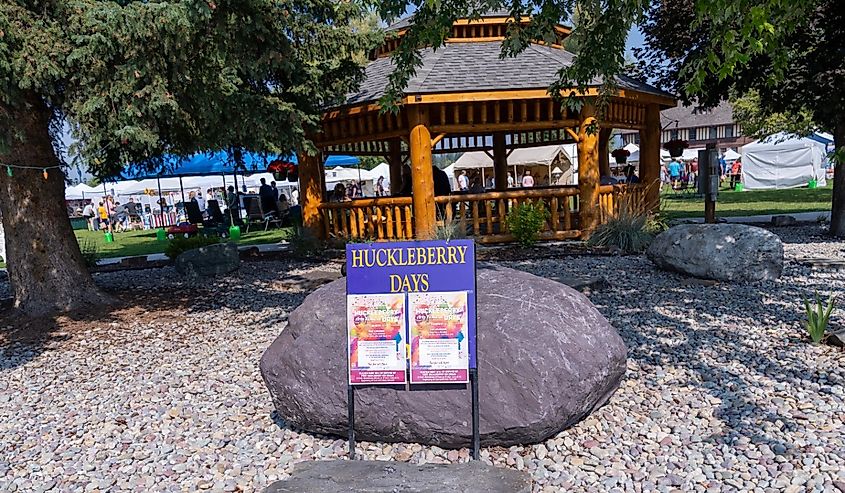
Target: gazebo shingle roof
[[477, 66]]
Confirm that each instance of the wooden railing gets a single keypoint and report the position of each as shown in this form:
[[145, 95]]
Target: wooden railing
[[385, 218], [481, 215], [613, 197]]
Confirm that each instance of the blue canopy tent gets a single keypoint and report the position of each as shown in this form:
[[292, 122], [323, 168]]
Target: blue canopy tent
[[218, 163]]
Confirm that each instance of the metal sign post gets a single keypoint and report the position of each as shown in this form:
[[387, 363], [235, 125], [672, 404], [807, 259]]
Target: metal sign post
[[411, 321], [708, 183]]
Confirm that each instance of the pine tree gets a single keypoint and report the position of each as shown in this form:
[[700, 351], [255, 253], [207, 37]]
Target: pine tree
[[139, 80]]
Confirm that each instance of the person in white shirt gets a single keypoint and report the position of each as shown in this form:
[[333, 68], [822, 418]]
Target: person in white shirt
[[511, 181], [201, 201], [294, 195], [527, 179], [463, 181]]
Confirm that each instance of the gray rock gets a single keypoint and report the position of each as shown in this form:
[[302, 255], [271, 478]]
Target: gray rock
[[211, 260], [547, 358], [784, 221], [378, 476], [724, 252], [836, 336]]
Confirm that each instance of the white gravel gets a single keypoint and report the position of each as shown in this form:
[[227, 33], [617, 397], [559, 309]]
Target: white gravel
[[723, 393]]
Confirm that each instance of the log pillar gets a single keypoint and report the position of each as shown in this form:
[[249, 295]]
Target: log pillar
[[394, 160], [604, 150], [500, 162], [422, 176], [650, 157], [311, 179], [588, 171]]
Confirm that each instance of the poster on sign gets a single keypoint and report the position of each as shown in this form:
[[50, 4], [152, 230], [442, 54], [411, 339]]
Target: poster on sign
[[439, 343], [376, 338]]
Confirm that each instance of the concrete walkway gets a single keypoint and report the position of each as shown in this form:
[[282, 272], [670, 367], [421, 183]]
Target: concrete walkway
[[263, 248], [766, 218]]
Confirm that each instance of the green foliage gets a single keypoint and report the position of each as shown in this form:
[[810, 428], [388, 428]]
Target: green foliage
[[304, 244], [90, 253], [525, 221], [628, 231], [178, 245], [449, 230], [759, 121], [818, 316], [138, 80]]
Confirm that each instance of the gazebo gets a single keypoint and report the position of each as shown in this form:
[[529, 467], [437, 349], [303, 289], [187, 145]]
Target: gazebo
[[466, 98]]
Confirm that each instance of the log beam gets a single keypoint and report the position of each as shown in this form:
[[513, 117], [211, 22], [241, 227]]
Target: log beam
[[588, 171], [311, 177], [500, 161], [422, 176], [650, 157], [604, 149]]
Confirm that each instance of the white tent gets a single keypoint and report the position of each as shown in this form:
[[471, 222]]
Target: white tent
[[731, 155], [543, 156], [782, 161]]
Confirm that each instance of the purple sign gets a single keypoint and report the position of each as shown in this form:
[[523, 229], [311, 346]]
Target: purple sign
[[432, 285]]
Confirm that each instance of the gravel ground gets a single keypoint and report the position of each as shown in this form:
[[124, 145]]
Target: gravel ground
[[722, 393]]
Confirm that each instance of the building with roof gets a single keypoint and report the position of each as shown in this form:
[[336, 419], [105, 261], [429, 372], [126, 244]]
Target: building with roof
[[465, 98], [698, 127]]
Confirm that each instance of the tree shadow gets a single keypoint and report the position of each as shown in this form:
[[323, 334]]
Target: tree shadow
[[686, 325], [266, 289]]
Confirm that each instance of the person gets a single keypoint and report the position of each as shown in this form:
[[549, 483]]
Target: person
[[736, 173], [723, 168], [232, 201], [339, 193], [630, 177], [511, 181], [104, 215], [121, 217], [200, 199], [463, 181], [407, 186], [267, 197], [380, 187], [294, 195], [489, 183], [441, 182], [91, 217], [283, 204], [527, 179], [675, 172], [275, 190], [209, 195]]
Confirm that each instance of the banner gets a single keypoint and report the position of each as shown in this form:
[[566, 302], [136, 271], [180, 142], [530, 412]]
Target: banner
[[415, 293]]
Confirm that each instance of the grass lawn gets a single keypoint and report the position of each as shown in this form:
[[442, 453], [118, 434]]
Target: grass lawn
[[133, 243], [749, 203]]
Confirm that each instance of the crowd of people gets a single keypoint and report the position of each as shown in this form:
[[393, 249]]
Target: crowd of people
[[682, 174], [108, 213]]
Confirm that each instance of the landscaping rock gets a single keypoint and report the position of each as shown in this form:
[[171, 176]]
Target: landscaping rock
[[547, 358], [724, 252], [784, 221], [206, 261], [380, 476]]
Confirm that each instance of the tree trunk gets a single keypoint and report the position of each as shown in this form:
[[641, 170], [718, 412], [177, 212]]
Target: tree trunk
[[837, 211], [45, 266]]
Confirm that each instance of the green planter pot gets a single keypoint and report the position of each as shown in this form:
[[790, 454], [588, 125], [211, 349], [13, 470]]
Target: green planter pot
[[109, 237], [235, 233], [813, 184], [161, 235]]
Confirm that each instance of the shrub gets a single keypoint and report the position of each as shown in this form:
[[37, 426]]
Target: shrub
[[179, 244], [525, 221], [449, 229], [624, 230], [818, 316], [90, 253]]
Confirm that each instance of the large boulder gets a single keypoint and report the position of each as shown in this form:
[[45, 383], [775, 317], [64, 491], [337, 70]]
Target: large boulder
[[722, 252], [206, 261], [547, 358]]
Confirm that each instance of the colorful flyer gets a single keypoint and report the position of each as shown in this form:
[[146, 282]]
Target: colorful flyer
[[376, 338], [439, 337]]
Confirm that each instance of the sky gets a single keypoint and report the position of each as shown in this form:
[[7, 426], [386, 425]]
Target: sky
[[635, 40]]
